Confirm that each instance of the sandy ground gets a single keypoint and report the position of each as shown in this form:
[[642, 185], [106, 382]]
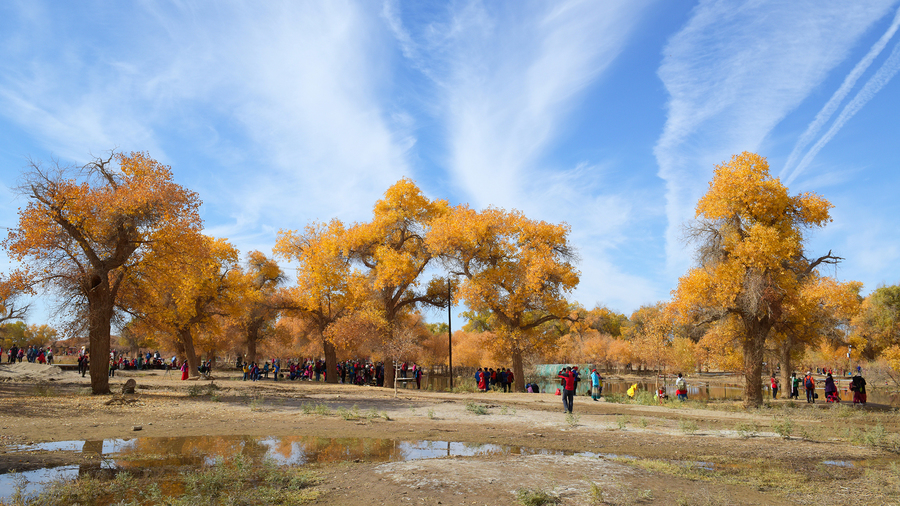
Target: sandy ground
[[632, 453]]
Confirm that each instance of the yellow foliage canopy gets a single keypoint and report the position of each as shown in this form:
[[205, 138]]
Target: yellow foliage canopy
[[86, 229], [519, 270], [753, 280]]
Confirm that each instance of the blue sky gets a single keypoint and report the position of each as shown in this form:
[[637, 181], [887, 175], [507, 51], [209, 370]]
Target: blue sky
[[607, 115]]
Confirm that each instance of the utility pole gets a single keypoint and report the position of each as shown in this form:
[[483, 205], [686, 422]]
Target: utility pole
[[450, 330]]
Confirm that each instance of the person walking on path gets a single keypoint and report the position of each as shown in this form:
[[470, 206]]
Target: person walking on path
[[568, 393], [774, 387], [831, 391], [596, 384], [681, 388], [795, 386], [810, 385], [858, 387]]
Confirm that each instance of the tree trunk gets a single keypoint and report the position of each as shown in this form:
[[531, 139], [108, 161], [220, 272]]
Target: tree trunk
[[100, 309], [331, 375], [518, 371], [389, 368], [388, 372], [786, 366], [252, 337], [251, 350], [187, 340], [754, 346]]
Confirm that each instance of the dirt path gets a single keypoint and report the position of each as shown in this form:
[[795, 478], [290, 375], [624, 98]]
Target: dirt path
[[629, 454]]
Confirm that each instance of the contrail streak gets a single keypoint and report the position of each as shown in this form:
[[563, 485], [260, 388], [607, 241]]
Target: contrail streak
[[873, 86], [828, 110]]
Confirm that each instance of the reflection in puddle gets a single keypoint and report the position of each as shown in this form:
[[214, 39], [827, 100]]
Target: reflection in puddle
[[292, 450], [145, 453], [706, 466], [838, 463], [35, 480]]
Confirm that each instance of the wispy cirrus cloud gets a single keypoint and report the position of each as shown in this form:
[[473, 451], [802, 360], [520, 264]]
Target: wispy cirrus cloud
[[884, 74], [733, 72], [791, 167], [508, 80], [505, 82], [286, 99]]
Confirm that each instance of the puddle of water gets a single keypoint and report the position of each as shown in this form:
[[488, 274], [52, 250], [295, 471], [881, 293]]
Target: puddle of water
[[707, 466], [605, 455], [161, 453], [66, 446], [839, 463], [35, 480], [168, 454]]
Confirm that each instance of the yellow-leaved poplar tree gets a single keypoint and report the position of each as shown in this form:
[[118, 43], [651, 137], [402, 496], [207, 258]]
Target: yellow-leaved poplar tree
[[258, 311], [393, 254], [328, 288], [181, 294], [876, 328], [752, 275], [518, 270], [651, 335], [85, 229]]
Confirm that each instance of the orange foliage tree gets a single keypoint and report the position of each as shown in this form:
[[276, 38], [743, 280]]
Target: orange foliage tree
[[393, 251], [820, 318], [518, 270], [651, 335], [328, 289], [181, 294], [876, 328], [85, 228], [752, 274], [473, 349], [11, 289], [257, 312]]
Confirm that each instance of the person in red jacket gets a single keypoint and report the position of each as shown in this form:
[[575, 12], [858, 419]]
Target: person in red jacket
[[568, 393]]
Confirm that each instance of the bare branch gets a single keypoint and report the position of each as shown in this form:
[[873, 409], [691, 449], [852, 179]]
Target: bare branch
[[825, 259]]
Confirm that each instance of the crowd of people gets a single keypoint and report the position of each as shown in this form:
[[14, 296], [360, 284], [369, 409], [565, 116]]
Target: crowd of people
[[362, 372], [353, 372], [488, 379], [808, 384], [33, 354]]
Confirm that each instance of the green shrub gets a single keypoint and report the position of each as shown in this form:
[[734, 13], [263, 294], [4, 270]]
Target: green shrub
[[476, 409], [747, 429], [784, 427], [687, 426], [537, 497], [595, 495]]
